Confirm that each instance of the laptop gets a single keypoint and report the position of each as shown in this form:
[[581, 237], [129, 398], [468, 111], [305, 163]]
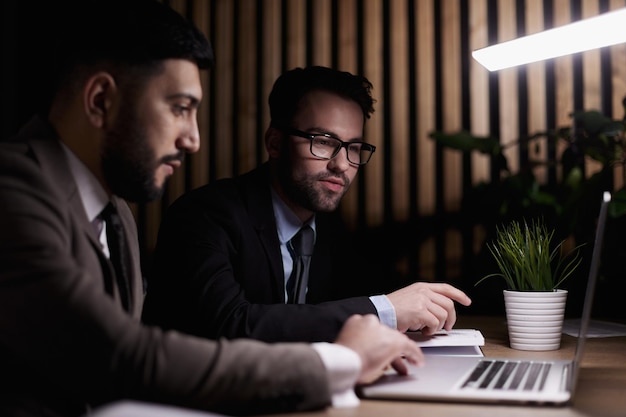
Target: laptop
[[497, 380]]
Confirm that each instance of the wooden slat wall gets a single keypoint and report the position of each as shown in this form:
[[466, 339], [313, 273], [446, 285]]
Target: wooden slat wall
[[417, 54]]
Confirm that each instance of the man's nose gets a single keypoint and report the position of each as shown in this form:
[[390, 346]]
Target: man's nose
[[190, 142], [340, 162]]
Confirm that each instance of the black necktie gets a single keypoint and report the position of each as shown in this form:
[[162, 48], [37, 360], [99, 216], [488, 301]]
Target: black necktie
[[302, 246], [118, 251]]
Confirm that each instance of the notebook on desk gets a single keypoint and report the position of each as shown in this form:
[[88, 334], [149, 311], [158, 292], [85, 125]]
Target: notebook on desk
[[498, 380]]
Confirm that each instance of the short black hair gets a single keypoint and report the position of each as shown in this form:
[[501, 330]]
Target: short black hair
[[123, 34], [294, 84]]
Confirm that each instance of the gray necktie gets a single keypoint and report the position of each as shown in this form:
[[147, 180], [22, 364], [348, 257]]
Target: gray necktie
[[302, 246]]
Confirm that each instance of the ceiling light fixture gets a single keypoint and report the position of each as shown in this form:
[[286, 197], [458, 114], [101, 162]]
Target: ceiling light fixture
[[595, 32]]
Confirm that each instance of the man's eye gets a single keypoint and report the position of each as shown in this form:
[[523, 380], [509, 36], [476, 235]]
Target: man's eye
[[181, 109], [323, 141]]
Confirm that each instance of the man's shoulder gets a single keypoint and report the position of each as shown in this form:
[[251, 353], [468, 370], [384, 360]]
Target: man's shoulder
[[228, 197], [18, 161], [232, 189], [35, 140], [14, 153]]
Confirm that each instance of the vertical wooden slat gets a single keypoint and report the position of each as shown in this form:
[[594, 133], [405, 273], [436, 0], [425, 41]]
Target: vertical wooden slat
[[591, 77], [479, 102], [479, 88], [247, 111], [536, 76], [618, 70], [347, 36], [372, 40], [200, 160], [591, 64], [224, 50], [425, 52], [564, 76], [452, 117], [399, 116], [425, 109], [347, 61], [577, 67], [453, 120], [618, 81], [296, 34], [387, 112], [508, 111], [321, 29], [271, 54]]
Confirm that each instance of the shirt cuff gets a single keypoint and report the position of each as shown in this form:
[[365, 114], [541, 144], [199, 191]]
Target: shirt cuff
[[386, 311], [343, 366]]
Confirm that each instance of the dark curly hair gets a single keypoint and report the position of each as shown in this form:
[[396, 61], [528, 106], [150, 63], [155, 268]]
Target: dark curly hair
[[294, 84]]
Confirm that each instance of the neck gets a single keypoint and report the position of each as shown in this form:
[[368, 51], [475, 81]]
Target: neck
[[303, 214], [80, 137]]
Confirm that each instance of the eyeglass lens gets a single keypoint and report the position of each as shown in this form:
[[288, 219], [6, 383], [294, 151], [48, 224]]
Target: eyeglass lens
[[325, 147]]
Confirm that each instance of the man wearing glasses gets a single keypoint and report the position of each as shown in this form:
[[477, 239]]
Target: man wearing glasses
[[227, 253]]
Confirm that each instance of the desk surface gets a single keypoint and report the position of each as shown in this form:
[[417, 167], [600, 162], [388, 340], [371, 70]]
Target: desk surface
[[601, 387]]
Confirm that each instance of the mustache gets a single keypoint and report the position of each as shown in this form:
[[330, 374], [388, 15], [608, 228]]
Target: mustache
[[180, 156], [340, 176]]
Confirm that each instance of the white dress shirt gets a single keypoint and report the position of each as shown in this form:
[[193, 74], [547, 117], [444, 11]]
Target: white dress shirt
[[91, 193]]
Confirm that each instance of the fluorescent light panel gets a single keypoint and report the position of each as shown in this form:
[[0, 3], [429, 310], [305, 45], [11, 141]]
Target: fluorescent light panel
[[596, 32]]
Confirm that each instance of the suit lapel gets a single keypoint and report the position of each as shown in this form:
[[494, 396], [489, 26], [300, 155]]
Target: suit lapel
[[259, 206], [130, 232], [53, 161]]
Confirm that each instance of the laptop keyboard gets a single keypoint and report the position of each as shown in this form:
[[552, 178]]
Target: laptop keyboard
[[508, 375]]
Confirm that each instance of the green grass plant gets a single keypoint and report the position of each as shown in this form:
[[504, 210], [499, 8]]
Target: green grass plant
[[527, 258]]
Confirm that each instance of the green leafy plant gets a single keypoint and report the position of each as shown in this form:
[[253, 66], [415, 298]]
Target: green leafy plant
[[527, 258], [568, 198], [566, 195]]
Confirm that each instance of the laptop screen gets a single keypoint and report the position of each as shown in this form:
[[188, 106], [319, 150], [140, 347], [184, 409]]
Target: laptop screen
[[591, 285]]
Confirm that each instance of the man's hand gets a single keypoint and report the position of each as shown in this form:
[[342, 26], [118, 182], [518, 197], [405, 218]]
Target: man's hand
[[378, 346], [428, 307]]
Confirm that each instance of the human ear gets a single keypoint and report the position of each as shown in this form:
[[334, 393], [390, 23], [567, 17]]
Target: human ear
[[273, 142], [98, 94]]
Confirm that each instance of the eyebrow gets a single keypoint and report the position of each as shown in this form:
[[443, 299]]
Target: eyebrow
[[331, 134], [195, 101]]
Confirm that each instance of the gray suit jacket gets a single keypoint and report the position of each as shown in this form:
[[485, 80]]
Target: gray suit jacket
[[67, 345]]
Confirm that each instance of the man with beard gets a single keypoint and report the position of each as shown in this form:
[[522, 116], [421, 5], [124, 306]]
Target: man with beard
[[224, 254], [122, 115]]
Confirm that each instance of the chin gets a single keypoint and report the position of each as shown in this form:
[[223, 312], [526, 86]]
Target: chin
[[159, 183], [162, 183], [326, 207]]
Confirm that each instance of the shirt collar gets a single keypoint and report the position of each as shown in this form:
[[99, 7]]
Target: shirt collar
[[287, 223], [92, 194]]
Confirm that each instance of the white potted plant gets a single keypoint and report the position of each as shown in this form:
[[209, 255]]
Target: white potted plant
[[533, 268]]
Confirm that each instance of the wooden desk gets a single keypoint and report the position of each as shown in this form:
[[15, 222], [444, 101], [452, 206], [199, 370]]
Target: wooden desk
[[601, 387]]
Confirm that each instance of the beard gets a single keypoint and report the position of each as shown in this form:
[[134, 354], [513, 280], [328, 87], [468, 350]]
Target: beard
[[128, 162], [304, 190]]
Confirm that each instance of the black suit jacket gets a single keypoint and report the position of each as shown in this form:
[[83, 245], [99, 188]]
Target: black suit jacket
[[218, 269]]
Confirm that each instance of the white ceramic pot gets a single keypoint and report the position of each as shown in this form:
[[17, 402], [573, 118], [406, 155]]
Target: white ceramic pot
[[535, 318]]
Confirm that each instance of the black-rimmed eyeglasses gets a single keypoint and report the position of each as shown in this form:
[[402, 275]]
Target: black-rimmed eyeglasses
[[325, 146]]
